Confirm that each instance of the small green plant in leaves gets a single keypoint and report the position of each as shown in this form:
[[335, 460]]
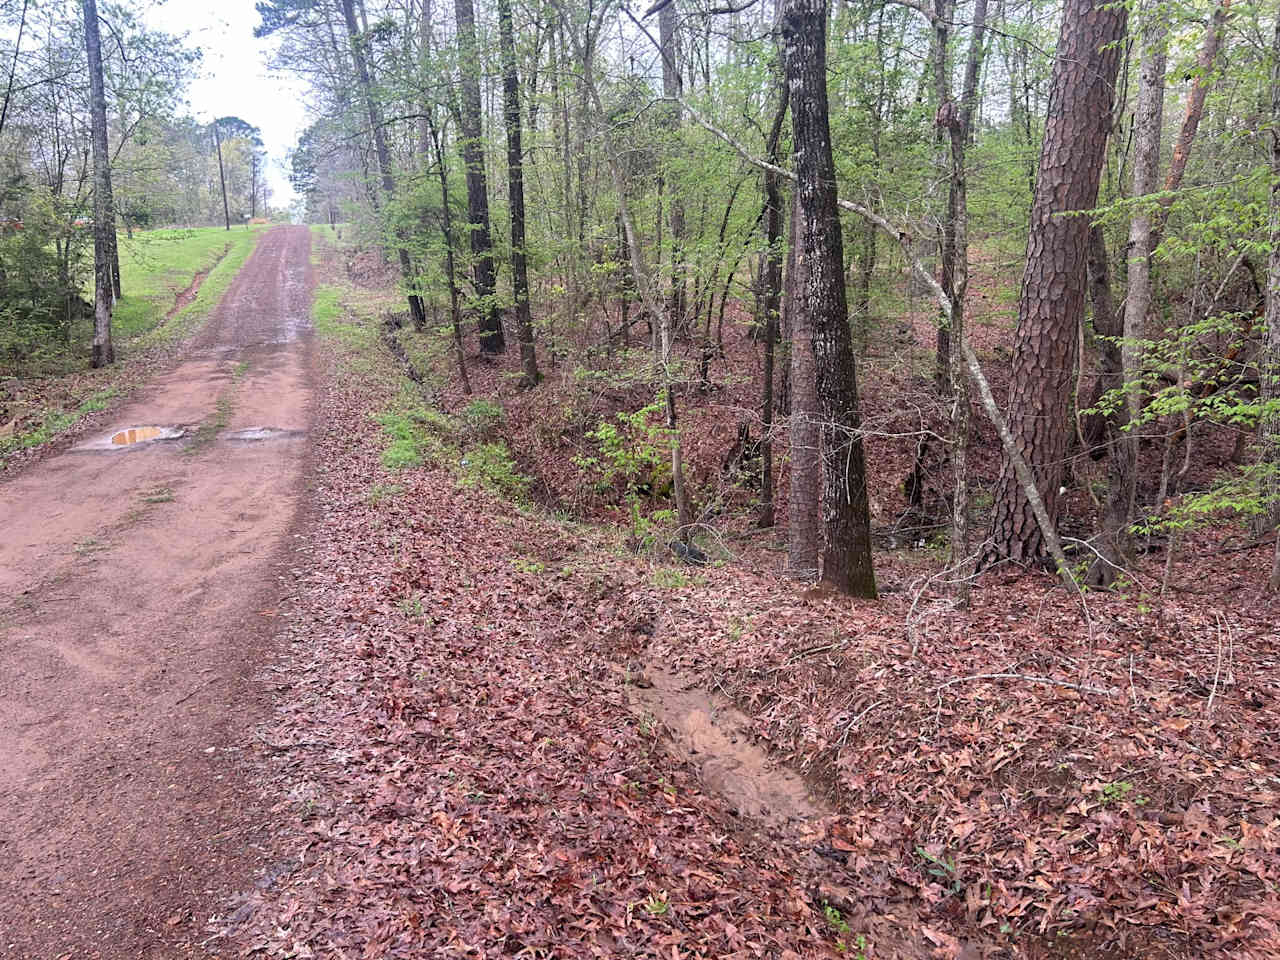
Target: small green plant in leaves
[[941, 869], [670, 578], [382, 492], [411, 607], [657, 905], [633, 450], [1119, 791], [841, 926], [413, 435]]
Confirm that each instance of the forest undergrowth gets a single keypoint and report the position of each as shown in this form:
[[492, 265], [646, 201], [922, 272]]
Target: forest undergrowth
[[466, 771]]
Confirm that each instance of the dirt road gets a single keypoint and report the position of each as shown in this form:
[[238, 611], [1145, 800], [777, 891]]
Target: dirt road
[[138, 585]]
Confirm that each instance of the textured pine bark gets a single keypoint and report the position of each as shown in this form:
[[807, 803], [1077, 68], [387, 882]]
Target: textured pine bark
[[103, 203], [1051, 306], [492, 338], [846, 551], [515, 191]]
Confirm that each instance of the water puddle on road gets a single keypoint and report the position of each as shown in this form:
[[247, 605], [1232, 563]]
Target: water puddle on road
[[252, 434], [713, 736], [126, 438], [142, 435]]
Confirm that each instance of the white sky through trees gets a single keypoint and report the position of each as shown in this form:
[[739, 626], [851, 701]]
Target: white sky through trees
[[234, 79]]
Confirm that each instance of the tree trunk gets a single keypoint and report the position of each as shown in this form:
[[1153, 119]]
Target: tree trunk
[[1269, 358], [672, 89], [103, 203], [846, 553], [942, 16], [771, 299], [492, 338], [1123, 463], [955, 274], [1147, 123], [446, 226], [1195, 102], [1116, 511], [113, 242], [1051, 306], [416, 309], [803, 531], [515, 189], [866, 271]]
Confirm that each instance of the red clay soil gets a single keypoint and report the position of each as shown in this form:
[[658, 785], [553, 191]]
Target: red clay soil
[[139, 586]]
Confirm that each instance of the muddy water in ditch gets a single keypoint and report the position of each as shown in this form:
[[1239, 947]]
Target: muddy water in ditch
[[711, 734]]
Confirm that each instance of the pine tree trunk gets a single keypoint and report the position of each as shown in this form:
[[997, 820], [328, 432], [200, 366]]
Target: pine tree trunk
[[103, 204], [492, 338], [846, 552], [515, 189], [1051, 306]]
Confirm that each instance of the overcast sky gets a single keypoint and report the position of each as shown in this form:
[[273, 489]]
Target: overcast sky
[[234, 79]]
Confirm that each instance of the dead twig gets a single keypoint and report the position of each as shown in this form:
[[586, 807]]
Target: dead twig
[[1026, 676]]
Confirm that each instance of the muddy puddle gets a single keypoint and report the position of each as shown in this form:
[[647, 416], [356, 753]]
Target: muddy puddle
[[711, 734], [124, 438], [254, 434]]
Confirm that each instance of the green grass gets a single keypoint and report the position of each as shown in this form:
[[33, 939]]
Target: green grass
[[322, 234], [157, 265], [242, 243], [55, 422], [208, 431], [414, 436]]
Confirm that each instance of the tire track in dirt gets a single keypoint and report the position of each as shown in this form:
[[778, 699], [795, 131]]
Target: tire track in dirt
[[187, 296], [139, 587]]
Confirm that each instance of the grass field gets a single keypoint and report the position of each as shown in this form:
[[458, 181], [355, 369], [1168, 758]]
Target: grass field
[[157, 265]]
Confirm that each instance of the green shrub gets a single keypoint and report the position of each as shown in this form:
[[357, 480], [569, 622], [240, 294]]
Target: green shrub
[[490, 465], [43, 269], [634, 450], [480, 418]]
